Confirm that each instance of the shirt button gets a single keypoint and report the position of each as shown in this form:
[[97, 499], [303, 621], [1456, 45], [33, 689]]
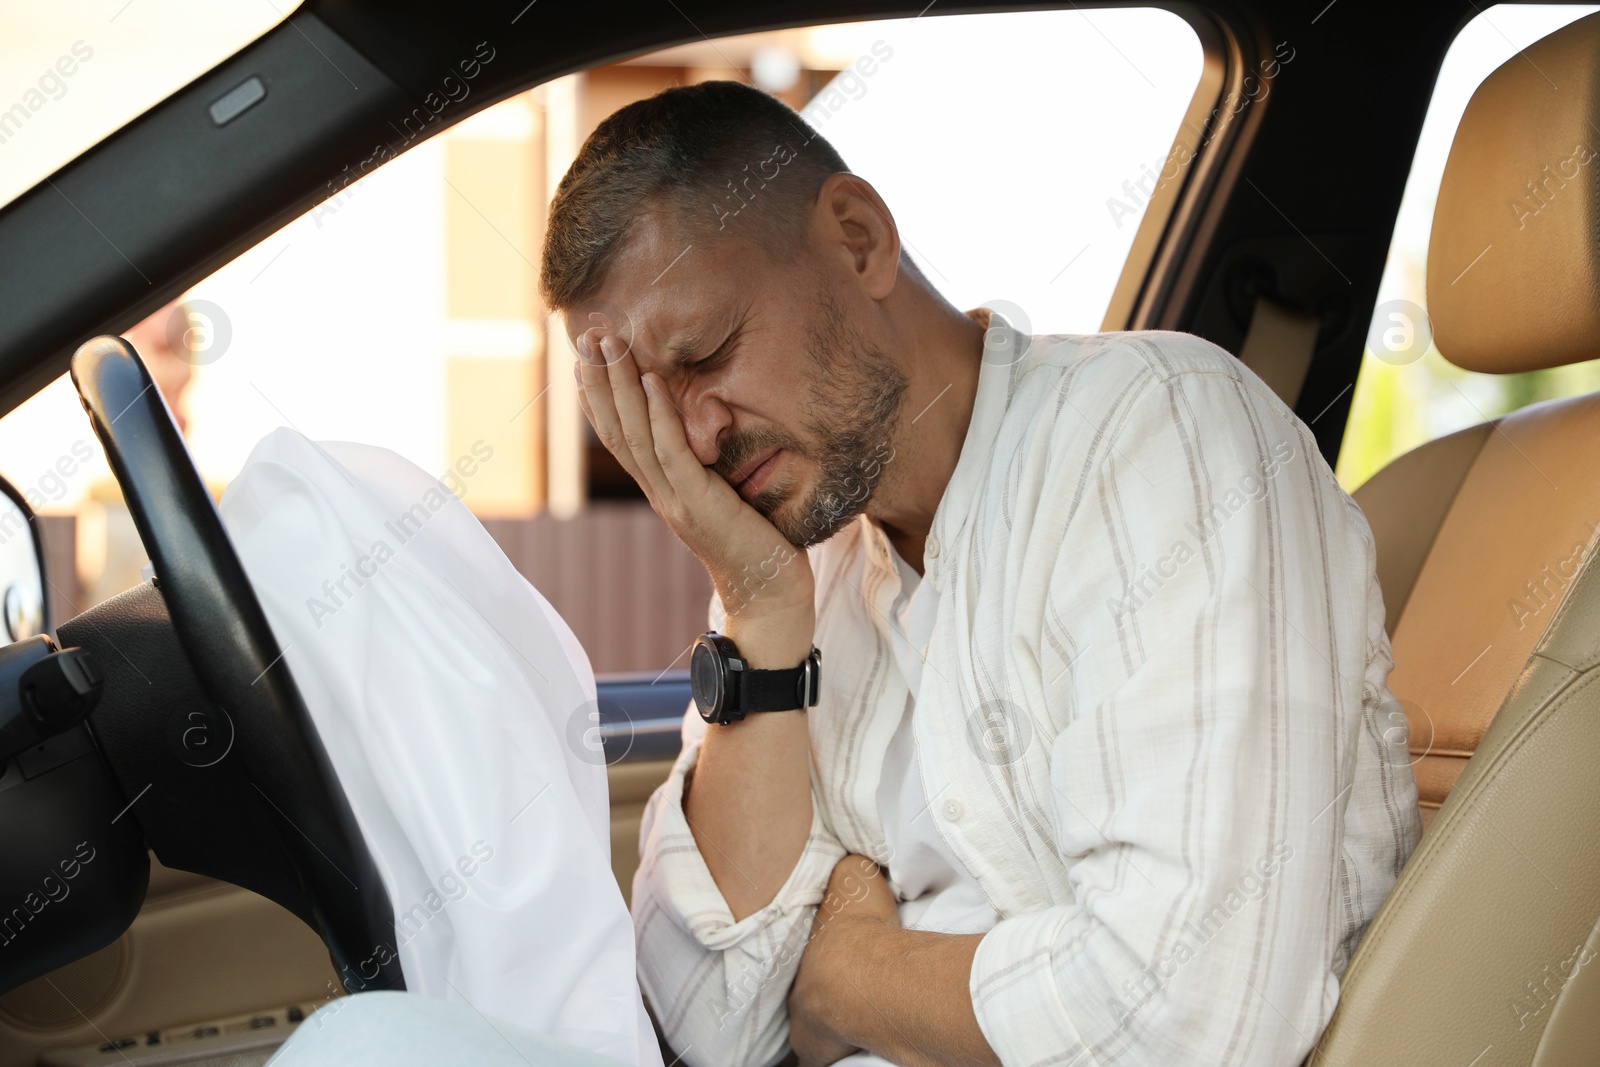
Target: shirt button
[[931, 549], [953, 810]]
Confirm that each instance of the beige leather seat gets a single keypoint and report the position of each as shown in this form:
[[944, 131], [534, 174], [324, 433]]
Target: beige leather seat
[[1487, 950]]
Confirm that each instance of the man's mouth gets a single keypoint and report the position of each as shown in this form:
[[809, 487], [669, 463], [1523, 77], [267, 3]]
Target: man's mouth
[[753, 475]]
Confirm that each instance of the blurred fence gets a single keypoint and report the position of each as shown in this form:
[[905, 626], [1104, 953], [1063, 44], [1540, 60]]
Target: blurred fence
[[632, 593]]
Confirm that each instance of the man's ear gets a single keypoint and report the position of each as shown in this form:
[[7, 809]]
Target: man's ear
[[854, 229]]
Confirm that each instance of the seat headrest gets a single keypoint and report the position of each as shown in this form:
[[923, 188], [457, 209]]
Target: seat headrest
[[1514, 260]]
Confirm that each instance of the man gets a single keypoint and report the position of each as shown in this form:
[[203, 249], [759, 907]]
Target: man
[[170, 342], [111, 556], [1103, 767]]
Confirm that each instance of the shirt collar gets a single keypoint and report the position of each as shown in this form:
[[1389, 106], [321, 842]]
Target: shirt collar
[[1003, 351]]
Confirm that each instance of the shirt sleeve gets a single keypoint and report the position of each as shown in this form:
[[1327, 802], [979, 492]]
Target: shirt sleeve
[[719, 988], [1216, 742]]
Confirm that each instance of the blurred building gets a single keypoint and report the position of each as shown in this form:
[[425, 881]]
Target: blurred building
[[403, 309], [559, 504], [566, 513], [504, 164]]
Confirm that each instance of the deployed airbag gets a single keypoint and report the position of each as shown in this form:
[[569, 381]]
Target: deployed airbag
[[447, 693]]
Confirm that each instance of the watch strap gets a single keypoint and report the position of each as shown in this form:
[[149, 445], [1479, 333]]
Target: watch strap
[[781, 690]]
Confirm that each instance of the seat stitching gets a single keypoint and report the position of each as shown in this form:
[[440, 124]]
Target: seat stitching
[[1523, 733]]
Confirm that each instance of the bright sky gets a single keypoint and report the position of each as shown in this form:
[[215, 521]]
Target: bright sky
[[122, 55], [337, 321], [999, 174]]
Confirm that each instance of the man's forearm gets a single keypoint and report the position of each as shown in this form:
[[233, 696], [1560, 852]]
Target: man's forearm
[[749, 799], [902, 994]]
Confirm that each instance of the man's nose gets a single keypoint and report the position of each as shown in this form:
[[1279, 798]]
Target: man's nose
[[705, 417]]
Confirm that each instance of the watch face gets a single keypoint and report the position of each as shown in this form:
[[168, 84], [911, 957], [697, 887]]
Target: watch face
[[705, 679]]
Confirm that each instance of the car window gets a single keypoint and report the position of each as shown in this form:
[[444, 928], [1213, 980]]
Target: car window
[[404, 312], [1406, 393], [1009, 179], [69, 77]]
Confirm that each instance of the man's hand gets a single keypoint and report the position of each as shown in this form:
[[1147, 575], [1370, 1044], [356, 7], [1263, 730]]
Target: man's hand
[[748, 802], [638, 423], [866, 982], [858, 902]]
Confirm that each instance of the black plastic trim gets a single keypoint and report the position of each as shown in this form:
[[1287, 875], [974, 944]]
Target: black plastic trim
[[36, 531], [641, 715], [170, 197], [230, 645]]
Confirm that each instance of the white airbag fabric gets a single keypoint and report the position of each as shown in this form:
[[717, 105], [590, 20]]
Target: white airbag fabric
[[452, 701]]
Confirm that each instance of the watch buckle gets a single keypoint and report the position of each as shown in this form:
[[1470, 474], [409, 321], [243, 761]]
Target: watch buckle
[[808, 680]]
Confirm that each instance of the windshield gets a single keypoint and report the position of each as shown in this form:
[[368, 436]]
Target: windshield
[[68, 80]]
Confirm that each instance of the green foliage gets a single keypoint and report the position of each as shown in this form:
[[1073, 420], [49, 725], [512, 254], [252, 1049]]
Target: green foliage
[[1395, 409]]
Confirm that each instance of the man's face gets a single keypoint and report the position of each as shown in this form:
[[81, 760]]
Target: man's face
[[771, 366], [169, 367]]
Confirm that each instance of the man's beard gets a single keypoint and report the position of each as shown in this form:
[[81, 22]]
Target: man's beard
[[851, 416]]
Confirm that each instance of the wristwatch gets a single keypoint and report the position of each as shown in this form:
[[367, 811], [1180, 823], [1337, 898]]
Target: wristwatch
[[726, 688]]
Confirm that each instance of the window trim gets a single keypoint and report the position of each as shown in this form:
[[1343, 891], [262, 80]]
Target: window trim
[[1162, 271]]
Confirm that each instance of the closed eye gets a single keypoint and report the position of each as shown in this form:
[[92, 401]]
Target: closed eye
[[721, 351]]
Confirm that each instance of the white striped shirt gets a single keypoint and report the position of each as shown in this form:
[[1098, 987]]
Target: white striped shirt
[[1153, 723]]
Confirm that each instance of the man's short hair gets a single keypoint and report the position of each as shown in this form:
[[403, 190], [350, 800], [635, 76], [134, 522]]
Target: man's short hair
[[718, 156]]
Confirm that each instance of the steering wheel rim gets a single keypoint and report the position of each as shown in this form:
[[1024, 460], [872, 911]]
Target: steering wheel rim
[[230, 645]]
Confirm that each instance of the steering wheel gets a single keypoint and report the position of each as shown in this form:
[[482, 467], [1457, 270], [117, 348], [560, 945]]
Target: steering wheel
[[225, 636]]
